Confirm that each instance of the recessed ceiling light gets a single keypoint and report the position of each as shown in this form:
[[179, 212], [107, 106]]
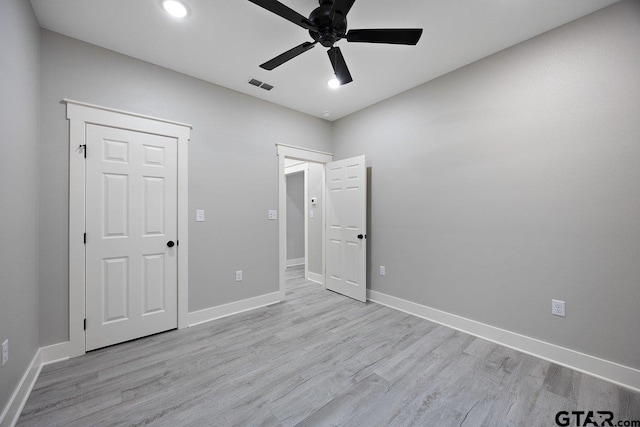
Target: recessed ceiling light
[[334, 83], [175, 8], [326, 114]]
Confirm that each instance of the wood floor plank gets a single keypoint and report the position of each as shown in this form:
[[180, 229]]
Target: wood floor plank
[[317, 359]]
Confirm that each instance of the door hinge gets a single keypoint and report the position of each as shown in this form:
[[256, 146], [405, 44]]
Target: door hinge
[[85, 238], [84, 148], [85, 324]]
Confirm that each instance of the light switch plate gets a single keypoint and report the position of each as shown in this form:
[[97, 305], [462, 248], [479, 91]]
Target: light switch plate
[[200, 215], [273, 214], [383, 270], [311, 213]]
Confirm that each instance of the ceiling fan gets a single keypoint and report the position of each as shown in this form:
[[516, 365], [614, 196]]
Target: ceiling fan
[[327, 24]]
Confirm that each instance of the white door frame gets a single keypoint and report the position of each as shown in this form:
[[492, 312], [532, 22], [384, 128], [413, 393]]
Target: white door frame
[[79, 115], [304, 154]]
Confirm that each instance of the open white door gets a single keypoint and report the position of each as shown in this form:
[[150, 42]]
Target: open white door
[[131, 225], [346, 193]]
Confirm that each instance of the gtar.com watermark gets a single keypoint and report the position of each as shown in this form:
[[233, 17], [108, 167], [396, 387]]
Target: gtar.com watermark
[[592, 419]]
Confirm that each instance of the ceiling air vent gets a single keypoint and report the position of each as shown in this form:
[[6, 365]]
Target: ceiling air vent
[[262, 85]]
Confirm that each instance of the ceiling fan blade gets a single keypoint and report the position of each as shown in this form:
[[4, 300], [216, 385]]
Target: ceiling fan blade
[[339, 10], [339, 66], [290, 54], [392, 36], [285, 12]]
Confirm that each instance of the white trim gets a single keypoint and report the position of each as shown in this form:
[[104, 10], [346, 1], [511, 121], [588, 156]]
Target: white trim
[[128, 113], [295, 261], [282, 227], [55, 353], [12, 411], [236, 307], [291, 151], [610, 371], [308, 155], [79, 115], [291, 163], [325, 215], [314, 277], [298, 167], [76, 231], [624, 376], [305, 210]]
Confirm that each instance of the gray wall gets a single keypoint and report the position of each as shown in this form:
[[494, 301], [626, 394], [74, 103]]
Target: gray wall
[[233, 170], [19, 87], [513, 181], [315, 180], [295, 216]]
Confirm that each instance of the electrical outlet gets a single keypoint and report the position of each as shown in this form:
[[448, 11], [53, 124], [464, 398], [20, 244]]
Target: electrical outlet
[[383, 270], [200, 215], [557, 308], [273, 214], [5, 352], [239, 276]]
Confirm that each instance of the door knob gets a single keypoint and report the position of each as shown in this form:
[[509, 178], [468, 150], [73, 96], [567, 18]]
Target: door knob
[[170, 243], [361, 236]]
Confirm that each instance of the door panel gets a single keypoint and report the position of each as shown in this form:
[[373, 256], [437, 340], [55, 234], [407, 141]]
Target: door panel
[[153, 283], [346, 213], [115, 288], [153, 212], [131, 214], [116, 200]]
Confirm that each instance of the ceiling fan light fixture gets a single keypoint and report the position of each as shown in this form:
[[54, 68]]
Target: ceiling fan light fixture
[[175, 8], [333, 83]]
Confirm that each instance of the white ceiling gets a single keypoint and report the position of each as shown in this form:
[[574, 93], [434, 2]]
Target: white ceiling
[[224, 41]]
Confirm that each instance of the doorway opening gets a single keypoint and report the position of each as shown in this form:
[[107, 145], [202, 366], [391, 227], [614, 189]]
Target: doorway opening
[[304, 242], [304, 215], [344, 220]]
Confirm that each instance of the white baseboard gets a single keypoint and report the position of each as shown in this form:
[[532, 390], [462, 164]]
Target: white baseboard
[[295, 261], [213, 313], [613, 372], [55, 353], [12, 411], [610, 371], [315, 277]]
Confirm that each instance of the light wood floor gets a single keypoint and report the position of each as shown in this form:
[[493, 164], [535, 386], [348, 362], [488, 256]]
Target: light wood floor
[[317, 359]]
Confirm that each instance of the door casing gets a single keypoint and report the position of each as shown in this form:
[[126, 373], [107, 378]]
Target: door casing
[[79, 115]]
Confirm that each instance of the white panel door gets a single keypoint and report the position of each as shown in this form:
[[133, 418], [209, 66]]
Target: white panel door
[[131, 218], [346, 189]]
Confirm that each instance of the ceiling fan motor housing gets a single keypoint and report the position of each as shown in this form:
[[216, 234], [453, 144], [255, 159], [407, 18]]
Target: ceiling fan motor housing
[[327, 33]]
